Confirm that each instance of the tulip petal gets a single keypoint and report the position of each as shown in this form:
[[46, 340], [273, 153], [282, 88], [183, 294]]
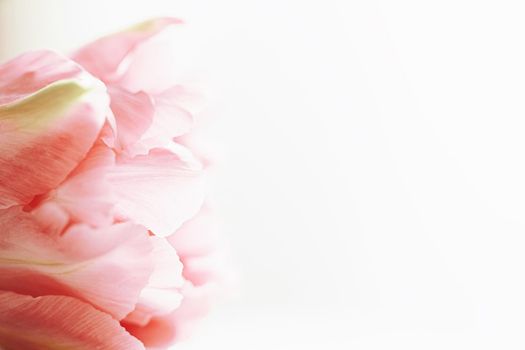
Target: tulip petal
[[147, 121], [163, 331], [30, 72], [161, 296], [159, 190], [207, 278], [104, 57], [172, 117], [170, 120], [134, 113], [84, 196], [40, 142], [106, 267], [58, 322], [198, 237], [161, 62], [201, 250]]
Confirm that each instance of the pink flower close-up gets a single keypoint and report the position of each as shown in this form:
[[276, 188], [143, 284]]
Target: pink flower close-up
[[262, 175], [107, 239]]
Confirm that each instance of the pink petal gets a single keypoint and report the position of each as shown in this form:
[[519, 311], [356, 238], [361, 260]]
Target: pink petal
[[161, 296], [201, 251], [207, 279], [58, 322], [163, 331], [173, 117], [40, 142], [159, 190], [198, 236], [147, 121], [170, 120], [84, 196], [159, 333], [205, 269], [106, 56], [196, 304], [134, 113], [30, 72], [159, 63], [105, 267]]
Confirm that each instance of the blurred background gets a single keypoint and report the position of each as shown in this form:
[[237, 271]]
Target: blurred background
[[370, 162]]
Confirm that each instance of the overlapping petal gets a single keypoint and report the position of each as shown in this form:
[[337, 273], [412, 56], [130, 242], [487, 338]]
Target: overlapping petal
[[171, 119], [204, 269], [146, 121], [58, 322], [160, 190], [150, 106], [40, 142], [85, 196], [134, 113], [162, 294], [106, 267], [33, 71], [107, 57]]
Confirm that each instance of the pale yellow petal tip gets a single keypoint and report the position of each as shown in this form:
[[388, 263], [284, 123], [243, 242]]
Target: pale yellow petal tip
[[50, 103], [154, 24]]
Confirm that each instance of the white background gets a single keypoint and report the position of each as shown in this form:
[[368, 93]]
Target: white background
[[371, 157]]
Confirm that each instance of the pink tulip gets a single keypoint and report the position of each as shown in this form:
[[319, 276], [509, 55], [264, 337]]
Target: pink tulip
[[101, 208]]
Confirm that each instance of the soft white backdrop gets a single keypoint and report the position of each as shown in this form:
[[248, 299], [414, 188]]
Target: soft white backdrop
[[371, 162]]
